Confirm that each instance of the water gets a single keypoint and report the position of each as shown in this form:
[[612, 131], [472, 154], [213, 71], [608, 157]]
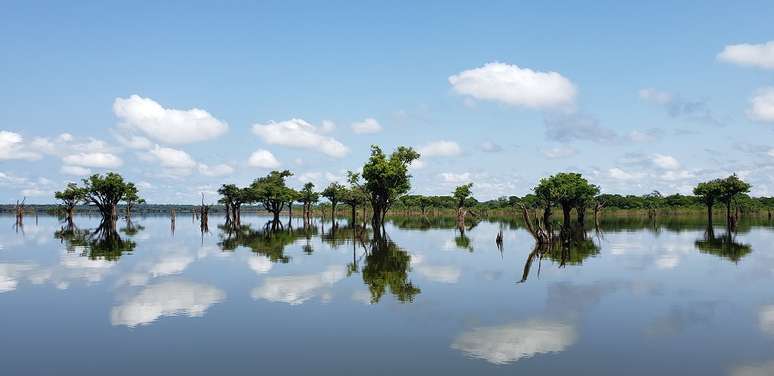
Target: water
[[636, 299]]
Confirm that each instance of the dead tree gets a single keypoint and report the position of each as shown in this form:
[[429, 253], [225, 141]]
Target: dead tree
[[204, 211], [540, 230], [19, 209], [597, 213]]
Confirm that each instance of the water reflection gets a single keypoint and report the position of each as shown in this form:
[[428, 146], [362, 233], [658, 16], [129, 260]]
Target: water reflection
[[270, 241], [724, 246], [166, 299], [571, 252], [102, 243]]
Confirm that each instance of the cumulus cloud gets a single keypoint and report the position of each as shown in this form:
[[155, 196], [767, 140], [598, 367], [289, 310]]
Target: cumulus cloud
[[75, 170], [560, 152], [215, 170], [167, 125], [172, 158], [753, 55], [666, 162], [166, 299], [298, 133], [762, 106], [440, 149], [12, 147], [619, 174], [679, 107], [298, 289], [450, 177], [648, 135], [516, 86], [369, 125], [567, 127], [508, 343], [263, 159], [96, 160]]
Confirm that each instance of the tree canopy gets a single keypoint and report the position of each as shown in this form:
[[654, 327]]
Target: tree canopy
[[387, 178]]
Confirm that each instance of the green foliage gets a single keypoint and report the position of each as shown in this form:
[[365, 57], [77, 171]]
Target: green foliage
[[709, 192], [566, 189], [334, 192], [462, 193], [387, 268], [71, 195], [107, 191], [386, 178], [272, 192], [731, 187], [307, 195]]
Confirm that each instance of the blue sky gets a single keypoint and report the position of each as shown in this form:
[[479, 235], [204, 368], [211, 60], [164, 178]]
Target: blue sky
[[635, 96]]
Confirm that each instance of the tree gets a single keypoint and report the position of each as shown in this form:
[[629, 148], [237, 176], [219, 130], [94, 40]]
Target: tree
[[106, 192], [461, 194], [567, 189], [709, 192], [308, 197], [132, 198], [386, 179], [334, 192], [353, 197], [233, 198], [730, 189], [70, 197], [272, 192]]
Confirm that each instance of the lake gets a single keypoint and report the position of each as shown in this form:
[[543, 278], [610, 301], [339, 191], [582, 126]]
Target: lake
[[636, 298]]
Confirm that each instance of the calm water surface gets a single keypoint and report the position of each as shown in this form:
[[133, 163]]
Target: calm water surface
[[636, 299]]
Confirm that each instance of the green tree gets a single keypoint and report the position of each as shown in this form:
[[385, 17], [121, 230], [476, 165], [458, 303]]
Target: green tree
[[461, 195], [568, 190], [272, 192], [730, 189], [308, 197], [71, 196], [132, 198], [105, 192], [334, 192], [386, 268], [709, 192], [386, 179], [232, 199]]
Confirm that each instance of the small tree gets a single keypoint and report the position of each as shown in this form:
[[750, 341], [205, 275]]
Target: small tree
[[567, 189], [71, 196], [233, 198], [334, 192], [132, 198], [386, 179], [308, 197], [730, 189], [709, 192], [272, 192], [105, 192], [461, 194]]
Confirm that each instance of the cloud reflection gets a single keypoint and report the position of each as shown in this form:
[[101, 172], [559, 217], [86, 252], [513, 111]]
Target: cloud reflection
[[299, 288], [166, 299]]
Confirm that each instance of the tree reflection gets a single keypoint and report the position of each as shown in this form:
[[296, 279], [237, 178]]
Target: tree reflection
[[572, 251], [724, 246], [269, 241], [102, 243], [387, 267]]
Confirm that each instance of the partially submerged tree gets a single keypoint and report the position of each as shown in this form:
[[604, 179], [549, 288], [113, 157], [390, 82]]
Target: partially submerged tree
[[386, 179], [272, 192], [334, 192], [731, 188], [709, 193], [308, 197], [232, 198], [71, 196], [461, 194], [105, 192], [132, 198], [568, 190]]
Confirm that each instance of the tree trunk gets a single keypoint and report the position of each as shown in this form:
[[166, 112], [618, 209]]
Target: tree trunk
[[581, 210], [709, 215], [352, 223], [566, 214]]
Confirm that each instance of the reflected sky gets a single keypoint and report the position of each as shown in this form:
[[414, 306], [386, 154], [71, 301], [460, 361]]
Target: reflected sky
[[420, 299]]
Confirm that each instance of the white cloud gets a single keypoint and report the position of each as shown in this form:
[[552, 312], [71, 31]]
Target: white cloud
[[508, 343], [762, 106], [297, 289], [166, 299], [450, 177], [619, 174], [164, 124], [515, 86], [216, 170], [298, 133], [560, 152], [369, 125], [75, 170], [440, 273], [96, 160], [490, 147], [263, 159], [12, 147], [172, 158], [327, 126], [34, 192], [440, 149], [666, 162], [259, 264], [754, 55]]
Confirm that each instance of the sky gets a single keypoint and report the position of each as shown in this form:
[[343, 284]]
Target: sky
[[181, 97]]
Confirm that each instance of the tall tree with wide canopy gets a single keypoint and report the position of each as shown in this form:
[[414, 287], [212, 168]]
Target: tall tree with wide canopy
[[272, 192], [105, 192], [567, 189], [709, 192], [334, 192], [386, 179], [70, 197]]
